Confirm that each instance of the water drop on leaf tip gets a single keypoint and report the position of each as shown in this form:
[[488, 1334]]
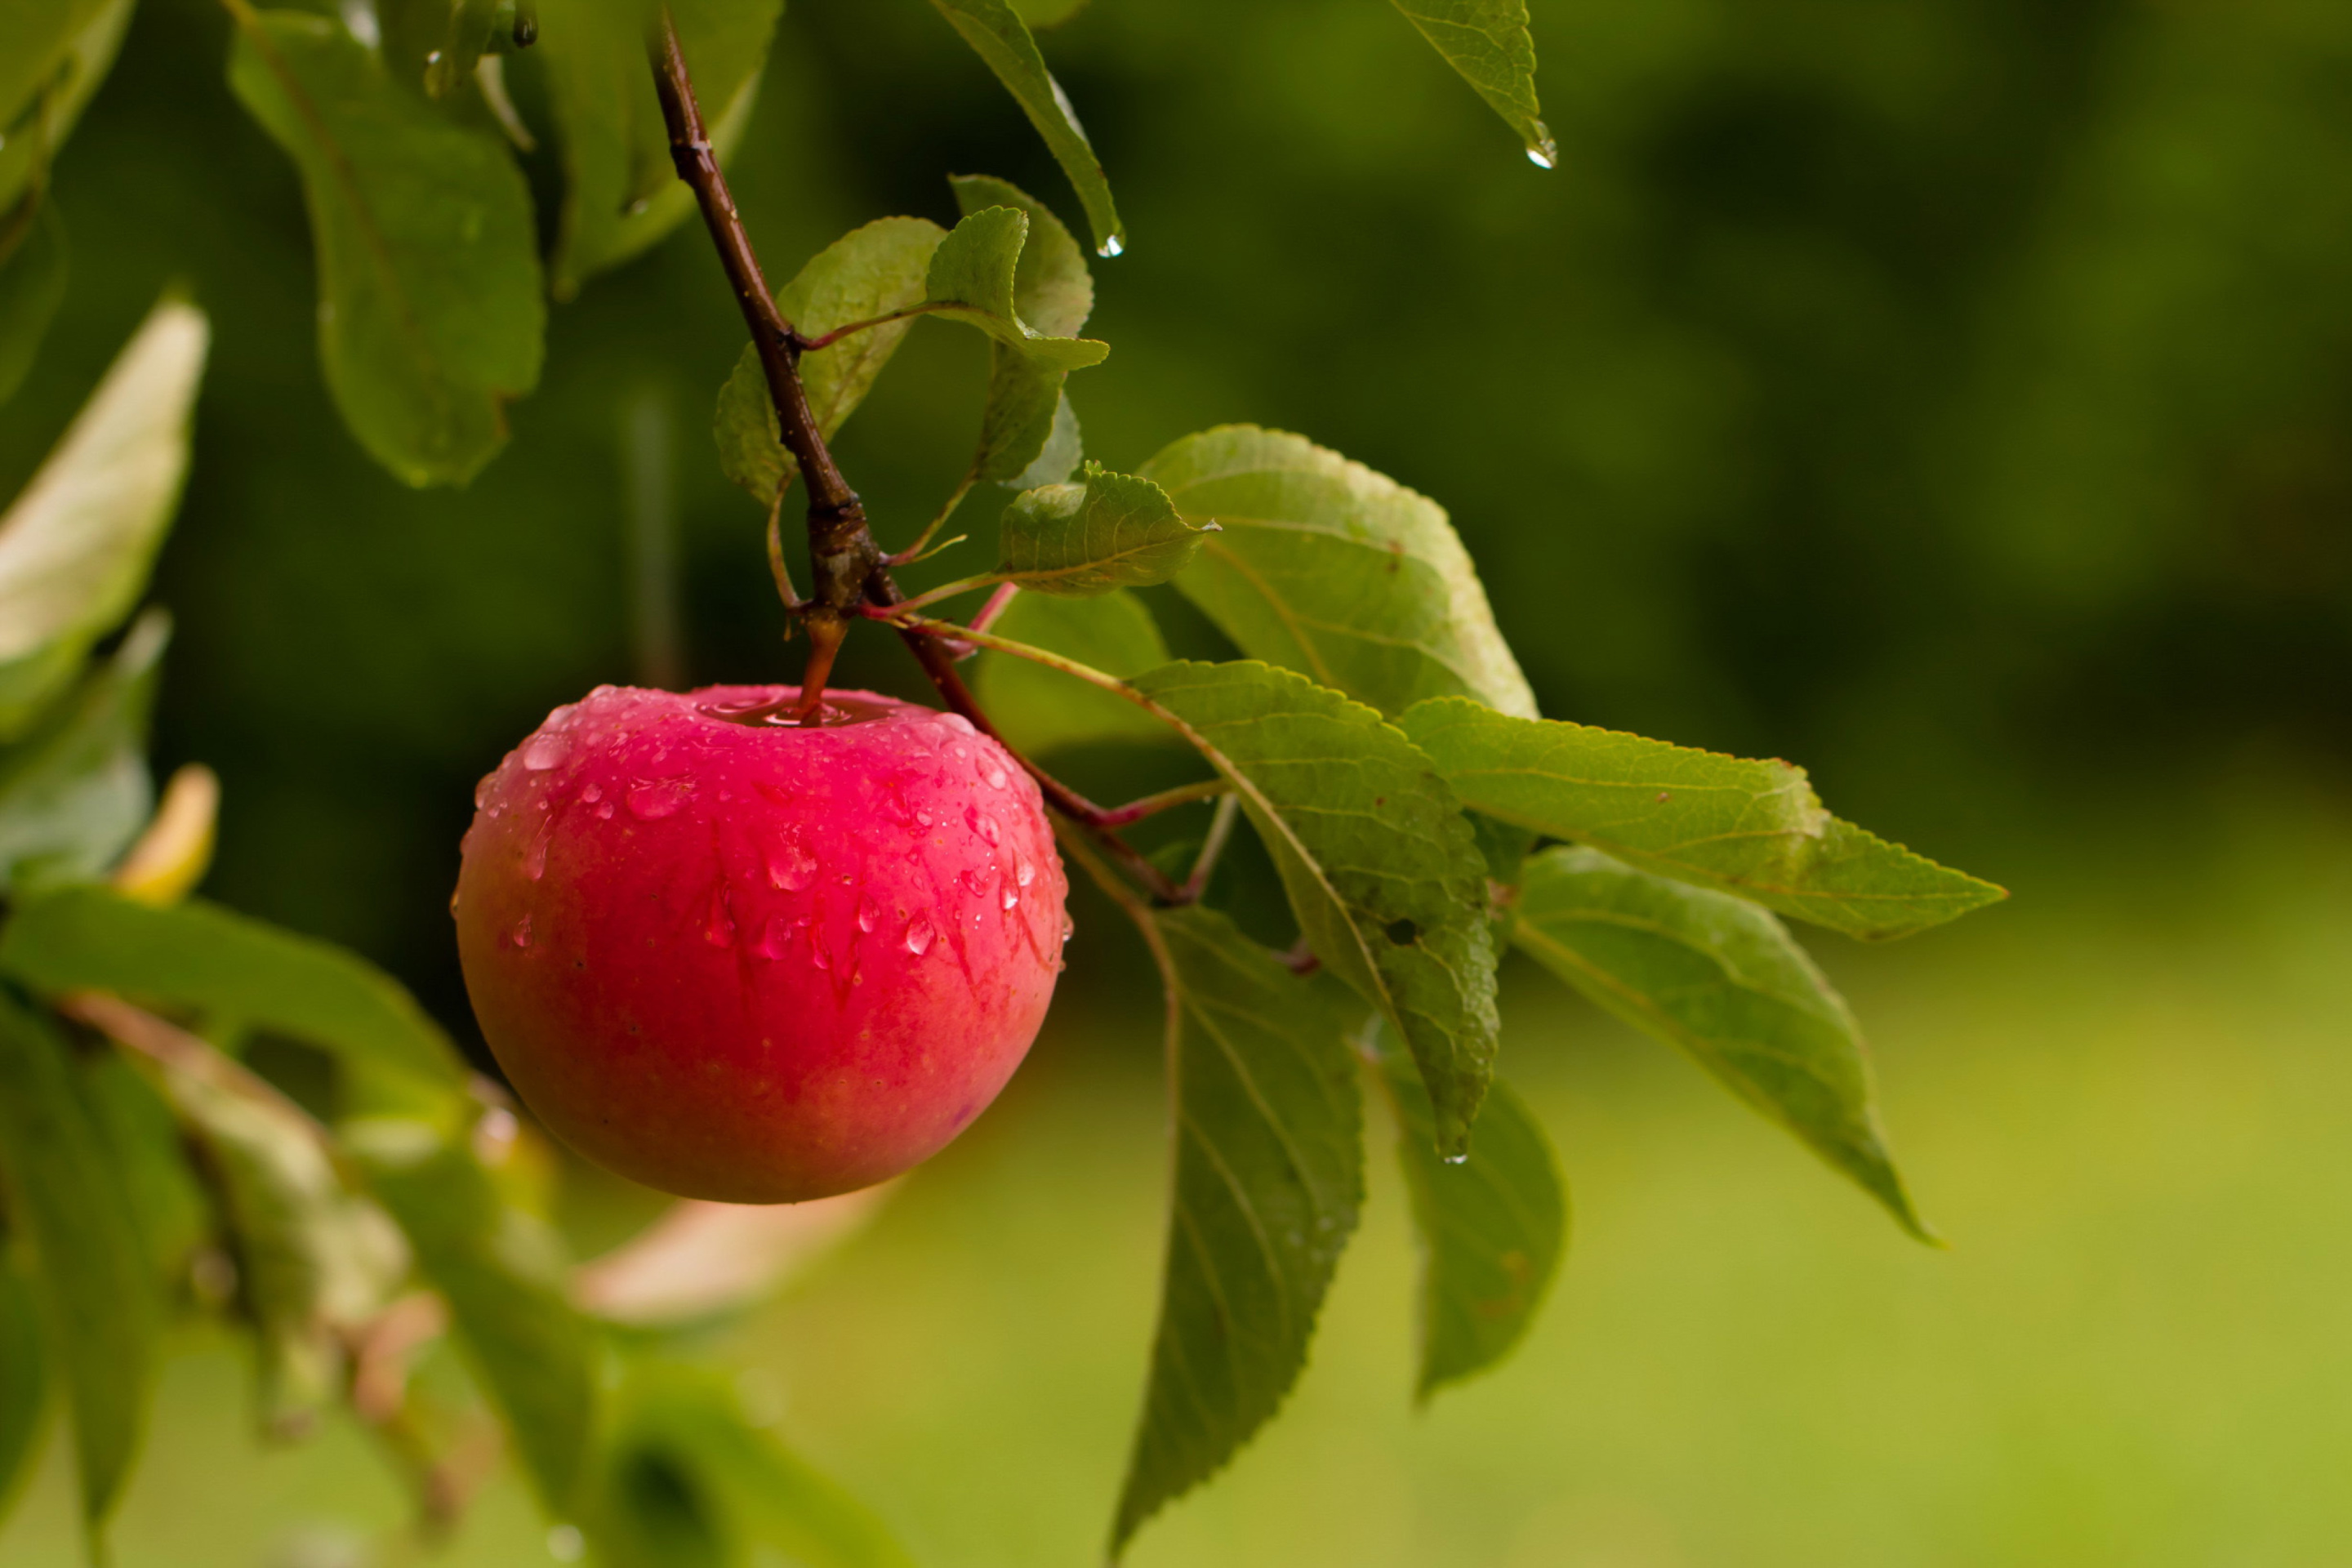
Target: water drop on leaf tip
[[1114, 246]]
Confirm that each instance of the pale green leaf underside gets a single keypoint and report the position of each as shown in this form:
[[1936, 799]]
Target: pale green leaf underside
[[503, 1273], [1040, 710], [1330, 569], [622, 192], [996, 34], [1269, 1178], [1751, 828], [75, 791], [867, 272], [1724, 981], [232, 968], [77, 544], [1491, 1230], [1381, 870], [1487, 42], [1054, 292], [99, 1305], [1111, 531], [430, 309]]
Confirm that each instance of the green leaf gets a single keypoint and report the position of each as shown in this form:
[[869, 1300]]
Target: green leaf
[[32, 283], [101, 1309], [1724, 981], [867, 272], [1487, 42], [1330, 569], [315, 1260], [689, 1479], [1491, 1228], [1269, 1178], [997, 34], [975, 278], [55, 55], [1113, 531], [199, 956], [430, 312], [75, 792], [23, 1372], [1028, 420], [502, 1271], [622, 192], [144, 1144], [77, 545], [1755, 829], [1041, 710], [1383, 873], [1048, 13]]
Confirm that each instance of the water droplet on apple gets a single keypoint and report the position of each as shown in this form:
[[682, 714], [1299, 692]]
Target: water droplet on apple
[[987, 825], [869, 913], [958, 722], [452, 906], [542, 752], [1010, 896], [790, 866], [773, 936], [521, 935], [534, 859], [1024, 869], [992, 773], [1069, 928], [652, 802], [719, 930], [593, 794], [482, 790], [819, 953], [605, 811], [920, 932]]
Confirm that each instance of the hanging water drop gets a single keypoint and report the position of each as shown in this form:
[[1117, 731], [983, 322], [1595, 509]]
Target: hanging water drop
[[1112, 246]]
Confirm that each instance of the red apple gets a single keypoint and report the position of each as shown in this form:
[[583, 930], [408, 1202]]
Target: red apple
[[758, 961]]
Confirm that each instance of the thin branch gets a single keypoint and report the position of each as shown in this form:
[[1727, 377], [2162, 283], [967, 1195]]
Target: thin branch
[[996, 606], [1221, 829], [826, 339], [925, 600], [938, 520], [1151, 805], [777, 569]]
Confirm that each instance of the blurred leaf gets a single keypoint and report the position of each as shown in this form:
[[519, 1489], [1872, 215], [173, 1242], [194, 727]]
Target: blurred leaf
[[622, 193], [430, 313], [502, 1272], [55, 55], [1041, 710], [23, 1372], [996, 32], [867, 272], [1754, 828], [1048, 13], [314, 1258], [173, 854], [1112, 530], [1330, 569], [1382, 871], [1269, 1178], [101, 1309], [75, 791], [144, 1145], [1487, 42], [1504, 846], [1722, 980], [691, 1480], [232, 969], [1028, 420], [1491, 1228], [32, 281], [77, 545]]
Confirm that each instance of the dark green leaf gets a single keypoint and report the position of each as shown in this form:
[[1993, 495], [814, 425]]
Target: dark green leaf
[[32, 281], [1382, 871], [430, 312], [1330, 569], [23, 1372], [75, 792], [101, 1309], [1054, 292], [867, 272], [1112, 530], [1755, 829], [78, 543], [502, 1272], [689, 1479], [997, 34], [198, 956], [315, 1260], [1041, 710], [623, 192], [1487, 42], [144, 1145], [1723, 980], [1269, 1176], [54, 56], [1492, 1228], [1048, 13]]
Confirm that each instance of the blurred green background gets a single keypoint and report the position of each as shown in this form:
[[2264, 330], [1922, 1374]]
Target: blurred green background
[[1956, 397]]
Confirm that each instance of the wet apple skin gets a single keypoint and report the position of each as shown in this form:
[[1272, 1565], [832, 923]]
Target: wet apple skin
[[751, 962]]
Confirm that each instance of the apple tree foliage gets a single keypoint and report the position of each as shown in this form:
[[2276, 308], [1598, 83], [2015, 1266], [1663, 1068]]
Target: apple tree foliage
[[390, 1249]]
